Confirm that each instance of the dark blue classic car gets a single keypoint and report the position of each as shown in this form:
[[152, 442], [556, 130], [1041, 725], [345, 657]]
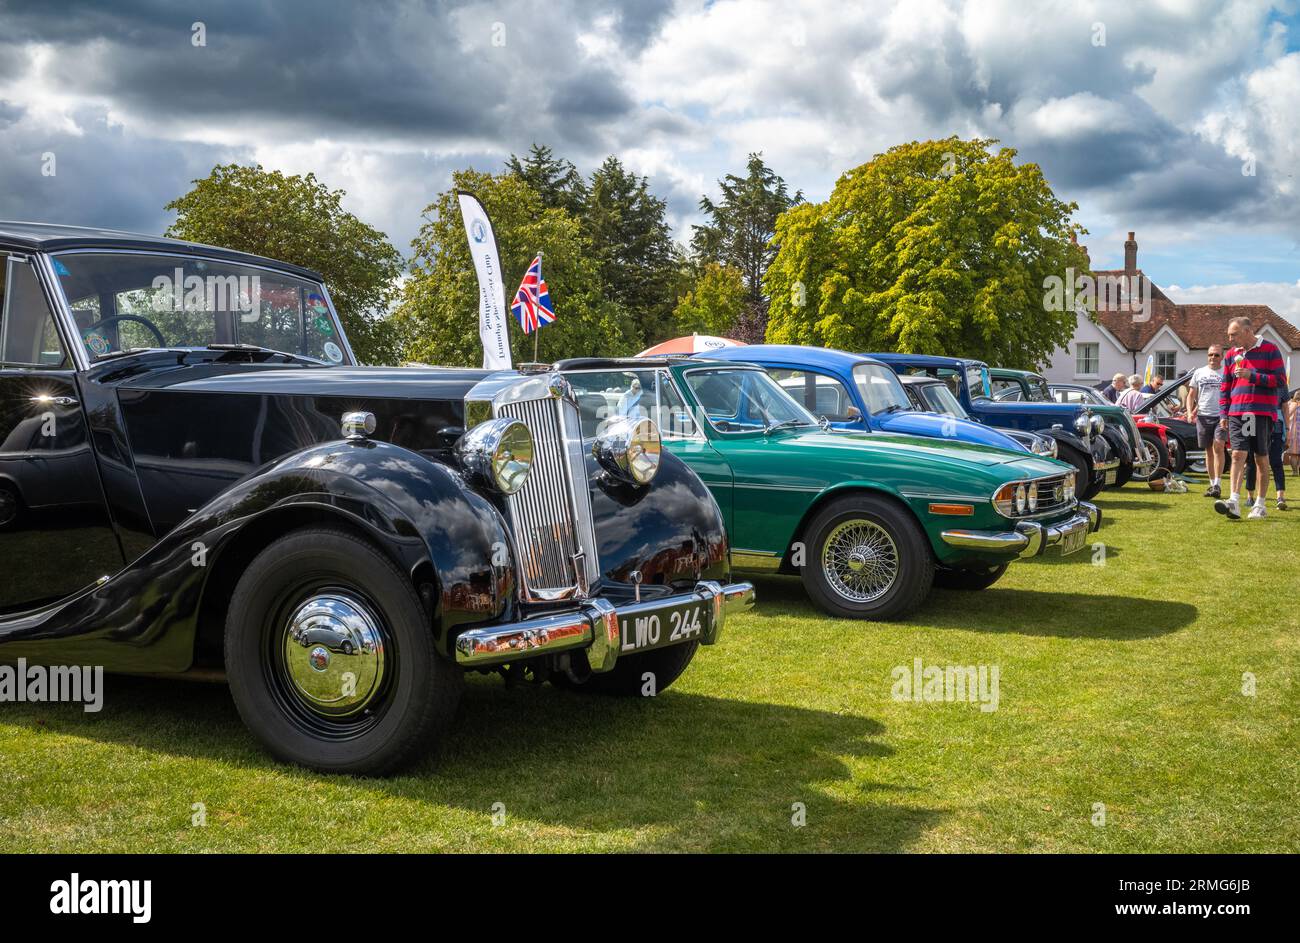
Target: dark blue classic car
[[852, 391], [1078, 431], [195, 473]]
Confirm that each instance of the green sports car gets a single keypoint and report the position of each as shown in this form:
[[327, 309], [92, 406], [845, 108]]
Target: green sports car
[[869, 520]]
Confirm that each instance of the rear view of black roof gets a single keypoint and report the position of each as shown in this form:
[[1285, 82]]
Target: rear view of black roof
[[48, 237]]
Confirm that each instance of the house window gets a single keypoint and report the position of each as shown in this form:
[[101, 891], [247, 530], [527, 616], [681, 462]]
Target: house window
[[1087, 360], [1167, 363]]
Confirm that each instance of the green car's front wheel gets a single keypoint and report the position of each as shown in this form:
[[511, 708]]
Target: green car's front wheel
[[866, 558]]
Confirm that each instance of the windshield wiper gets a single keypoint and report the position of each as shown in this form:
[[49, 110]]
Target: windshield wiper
[[783, 424]]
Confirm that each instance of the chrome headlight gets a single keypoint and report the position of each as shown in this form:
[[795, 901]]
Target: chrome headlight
[[1033, 497], [629, 449], [1043, 445], [1097, 425], [498, 453], [1012, 499], [1067, 487], [1083, 424]]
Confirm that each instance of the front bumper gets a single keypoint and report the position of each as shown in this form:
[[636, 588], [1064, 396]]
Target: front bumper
[[593, 626], [1029, 538]]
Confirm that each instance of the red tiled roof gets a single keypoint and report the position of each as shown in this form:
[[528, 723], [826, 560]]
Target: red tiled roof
[[1199, 325]]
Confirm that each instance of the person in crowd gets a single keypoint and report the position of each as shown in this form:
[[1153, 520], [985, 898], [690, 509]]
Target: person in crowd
[[1293, 432], [1253, 372], [1154, 386], [1203, 409], [1132, 398], [1276, 445], [1118, 384]]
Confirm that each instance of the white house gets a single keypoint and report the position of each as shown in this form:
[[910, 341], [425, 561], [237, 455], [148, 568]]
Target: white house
[[1124, 335]]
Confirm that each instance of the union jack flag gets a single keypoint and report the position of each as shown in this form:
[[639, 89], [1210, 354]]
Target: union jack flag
[[532, 305]]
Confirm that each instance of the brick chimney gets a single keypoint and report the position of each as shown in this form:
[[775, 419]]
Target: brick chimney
[[1130, 256], [1074, 240]]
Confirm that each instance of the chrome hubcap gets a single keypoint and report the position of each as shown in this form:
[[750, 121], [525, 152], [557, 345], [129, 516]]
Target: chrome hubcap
[[333, 654], [860, 560]]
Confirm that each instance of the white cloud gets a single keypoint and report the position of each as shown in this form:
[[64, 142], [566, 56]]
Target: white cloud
[[1282, 297]]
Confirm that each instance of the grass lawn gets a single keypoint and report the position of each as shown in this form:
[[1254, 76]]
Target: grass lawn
[[1119, 684]]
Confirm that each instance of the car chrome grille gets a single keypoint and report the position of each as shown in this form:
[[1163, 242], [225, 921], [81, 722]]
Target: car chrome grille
[[546, 512], [1051, 494]]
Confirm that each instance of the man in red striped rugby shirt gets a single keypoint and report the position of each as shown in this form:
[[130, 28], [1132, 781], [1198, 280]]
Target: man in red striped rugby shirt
[[1253, 372]]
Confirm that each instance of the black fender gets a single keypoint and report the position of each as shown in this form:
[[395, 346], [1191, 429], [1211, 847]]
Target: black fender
[[452, 541], [1069, 437], [671, 531], [1118, 445]]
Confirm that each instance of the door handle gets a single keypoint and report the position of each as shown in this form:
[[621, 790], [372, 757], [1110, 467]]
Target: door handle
[[46, 400]]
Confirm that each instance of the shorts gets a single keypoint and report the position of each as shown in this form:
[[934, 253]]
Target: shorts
[[1208, 430], [1257, 441]]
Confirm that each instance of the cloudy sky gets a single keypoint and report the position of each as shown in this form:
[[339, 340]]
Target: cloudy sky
[[1177, 119]]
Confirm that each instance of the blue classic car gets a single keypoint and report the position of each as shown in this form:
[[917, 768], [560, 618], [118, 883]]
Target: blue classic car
[[859, 393], [1078, 431]]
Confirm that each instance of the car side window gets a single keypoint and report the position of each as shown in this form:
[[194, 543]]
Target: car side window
[[1006, 389], [28, 334], [819, 394]]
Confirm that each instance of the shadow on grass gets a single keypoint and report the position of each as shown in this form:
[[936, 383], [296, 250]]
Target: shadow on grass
[[1109, 506], [1064, 615], [1015, 611], [701, 773]]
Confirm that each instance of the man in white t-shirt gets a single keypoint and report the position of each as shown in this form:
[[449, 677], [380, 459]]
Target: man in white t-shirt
[[1203, 409]]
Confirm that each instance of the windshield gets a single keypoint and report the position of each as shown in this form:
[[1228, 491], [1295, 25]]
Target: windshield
[[744, 400], [880, 388], [939, 399], [125, 300], [1038, 392]]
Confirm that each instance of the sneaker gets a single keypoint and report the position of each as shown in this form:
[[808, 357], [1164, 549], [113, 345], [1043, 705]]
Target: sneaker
[[1281, 504], [1212, 491], [1256, 513], [1229, 509]]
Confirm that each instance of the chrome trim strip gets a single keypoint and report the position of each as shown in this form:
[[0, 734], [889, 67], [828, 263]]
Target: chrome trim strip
[[58, 302], [944, 496], [756, 560], [800, 488]]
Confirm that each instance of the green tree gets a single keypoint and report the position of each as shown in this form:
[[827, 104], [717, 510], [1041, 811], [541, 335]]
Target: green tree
[[938, 247], [740, 231], [554, 179], [438, 312], [633, 245], [300, 220], [715, 303]]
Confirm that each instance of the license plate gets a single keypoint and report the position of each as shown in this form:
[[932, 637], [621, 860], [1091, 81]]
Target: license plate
[[1112, 476], [672, 625], [1073, 542]]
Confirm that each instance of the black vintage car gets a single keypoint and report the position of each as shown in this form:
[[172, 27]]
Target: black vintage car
[[194, 473]]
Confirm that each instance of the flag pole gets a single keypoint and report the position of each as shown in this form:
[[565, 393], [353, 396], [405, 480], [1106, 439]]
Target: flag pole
[[538, 329]]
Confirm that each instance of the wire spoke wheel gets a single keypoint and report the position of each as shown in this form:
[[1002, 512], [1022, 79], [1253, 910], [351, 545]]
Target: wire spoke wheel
[[860, 560]]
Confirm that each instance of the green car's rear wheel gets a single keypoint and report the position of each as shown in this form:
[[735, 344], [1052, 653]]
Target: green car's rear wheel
[[866, 558]]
